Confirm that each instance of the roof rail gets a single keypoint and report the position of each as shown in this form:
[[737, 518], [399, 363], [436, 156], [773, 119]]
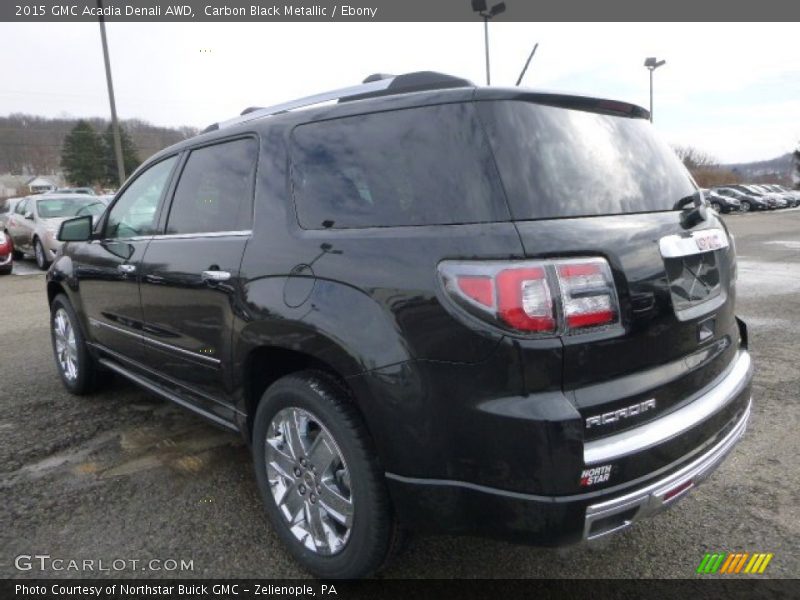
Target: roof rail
[[355, 90], [375, 85]]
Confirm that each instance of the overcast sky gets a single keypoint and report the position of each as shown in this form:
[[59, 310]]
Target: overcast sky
[[732, 90]]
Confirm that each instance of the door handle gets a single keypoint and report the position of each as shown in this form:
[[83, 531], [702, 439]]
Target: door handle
[[215, 276], [127, 269]]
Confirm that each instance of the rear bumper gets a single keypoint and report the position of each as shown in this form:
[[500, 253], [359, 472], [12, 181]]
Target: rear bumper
[[461, 507], [620, 513]]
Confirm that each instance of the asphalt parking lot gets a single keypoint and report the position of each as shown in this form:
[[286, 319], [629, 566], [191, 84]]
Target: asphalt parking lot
[[125, 475]]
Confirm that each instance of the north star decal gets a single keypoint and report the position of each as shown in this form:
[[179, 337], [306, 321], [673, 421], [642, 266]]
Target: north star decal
[[595, 475]]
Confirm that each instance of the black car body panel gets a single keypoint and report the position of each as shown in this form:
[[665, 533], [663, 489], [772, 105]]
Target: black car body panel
[[468, 419]]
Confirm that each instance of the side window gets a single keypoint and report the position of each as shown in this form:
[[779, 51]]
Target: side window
[[422, 166], [21, 207], [135, 211], [215, 190]]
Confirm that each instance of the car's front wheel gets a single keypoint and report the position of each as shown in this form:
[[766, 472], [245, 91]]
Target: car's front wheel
[[78, 370], [746, 206], [322, 487], [41, 257]]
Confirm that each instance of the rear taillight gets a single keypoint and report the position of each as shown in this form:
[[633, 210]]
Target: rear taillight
[[587, 293], [535, 297]]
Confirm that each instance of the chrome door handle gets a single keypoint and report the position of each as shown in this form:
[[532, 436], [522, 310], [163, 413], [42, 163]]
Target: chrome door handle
[[127, 269], [215, 276]]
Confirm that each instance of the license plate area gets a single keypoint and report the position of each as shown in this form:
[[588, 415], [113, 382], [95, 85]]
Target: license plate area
[[693, 279]]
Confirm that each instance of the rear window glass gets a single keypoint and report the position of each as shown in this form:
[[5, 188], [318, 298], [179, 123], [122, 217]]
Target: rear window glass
[[556, 162], [422, 166]]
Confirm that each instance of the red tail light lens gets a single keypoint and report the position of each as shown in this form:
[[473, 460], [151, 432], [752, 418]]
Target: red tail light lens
[[536, 297], [479, 289], [588, 293], [523, 299]]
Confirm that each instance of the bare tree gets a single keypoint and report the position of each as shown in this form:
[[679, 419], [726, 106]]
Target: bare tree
[[695, 158], [705, 169]]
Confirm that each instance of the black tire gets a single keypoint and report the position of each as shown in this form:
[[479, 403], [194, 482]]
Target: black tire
[[89, 375], [746, 206], [373, 534], [41, 255], [716, 206], [7, 270]]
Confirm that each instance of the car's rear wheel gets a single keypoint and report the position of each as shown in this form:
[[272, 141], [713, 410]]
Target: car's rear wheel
[[746, 206], [322, 487], [78, 370], [41, 256], [716, 206]]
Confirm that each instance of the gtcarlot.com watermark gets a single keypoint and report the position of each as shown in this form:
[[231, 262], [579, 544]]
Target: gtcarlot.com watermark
[[45, 562]]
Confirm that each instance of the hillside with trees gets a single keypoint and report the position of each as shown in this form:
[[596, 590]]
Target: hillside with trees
[[709, 172], [32, 145]]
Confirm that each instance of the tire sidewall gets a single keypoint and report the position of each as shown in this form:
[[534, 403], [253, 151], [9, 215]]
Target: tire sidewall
[[82, 382], [37, 247], [351, 561]]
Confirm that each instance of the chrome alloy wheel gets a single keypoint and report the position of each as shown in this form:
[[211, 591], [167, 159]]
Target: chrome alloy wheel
[[309, 480], [66, 348]]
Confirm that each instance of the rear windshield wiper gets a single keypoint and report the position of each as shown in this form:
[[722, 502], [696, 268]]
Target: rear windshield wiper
[[694, 209]]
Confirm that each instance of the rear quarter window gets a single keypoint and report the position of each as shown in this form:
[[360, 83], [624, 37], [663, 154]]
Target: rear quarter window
[[422, 166]]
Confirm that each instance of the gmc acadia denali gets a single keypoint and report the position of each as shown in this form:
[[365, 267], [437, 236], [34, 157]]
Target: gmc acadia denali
[[425, 306]]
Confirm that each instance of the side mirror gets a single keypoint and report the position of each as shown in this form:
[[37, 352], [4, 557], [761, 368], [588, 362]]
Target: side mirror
[[78, 229], [29, 216]]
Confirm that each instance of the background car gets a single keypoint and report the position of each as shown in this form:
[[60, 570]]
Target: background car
[[772, 199], [76, 190], [6, 208], [747, 200], [6, 254], [93, 209], [721, 203], [792, 198], [34, 224]]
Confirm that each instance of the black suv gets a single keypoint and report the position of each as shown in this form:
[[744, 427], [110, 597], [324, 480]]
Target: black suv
[[425, 306]]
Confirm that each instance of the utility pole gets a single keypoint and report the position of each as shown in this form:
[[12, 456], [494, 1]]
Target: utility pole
[[114, 121]]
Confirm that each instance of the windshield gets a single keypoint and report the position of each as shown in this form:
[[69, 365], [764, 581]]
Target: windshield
[[54, 208], [557, 162]]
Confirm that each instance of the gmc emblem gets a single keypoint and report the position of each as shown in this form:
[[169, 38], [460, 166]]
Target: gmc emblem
[[622, 413]]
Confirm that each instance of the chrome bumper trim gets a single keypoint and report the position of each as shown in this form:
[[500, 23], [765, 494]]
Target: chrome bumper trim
[[655, 497], [631, 441]]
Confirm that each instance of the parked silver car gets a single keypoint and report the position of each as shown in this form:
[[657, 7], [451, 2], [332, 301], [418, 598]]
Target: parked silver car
[[6, 208], [33, 225]]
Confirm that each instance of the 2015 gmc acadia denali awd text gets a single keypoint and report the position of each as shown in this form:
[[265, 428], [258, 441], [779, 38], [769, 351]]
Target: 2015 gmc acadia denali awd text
[[426, 306]]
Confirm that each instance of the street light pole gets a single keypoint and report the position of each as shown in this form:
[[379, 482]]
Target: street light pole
[[479, 6], [114, 121], [652, 64]]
